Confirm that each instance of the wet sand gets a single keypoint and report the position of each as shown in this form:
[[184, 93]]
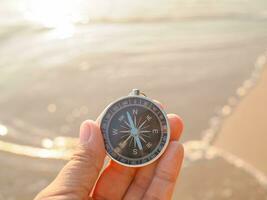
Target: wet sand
[[244, 133]]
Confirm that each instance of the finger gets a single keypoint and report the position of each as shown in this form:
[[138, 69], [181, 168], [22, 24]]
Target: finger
[[145, 175], [140, 182], [176, 123], [166, 173], [176, 126], [79, 175], [113, 181]]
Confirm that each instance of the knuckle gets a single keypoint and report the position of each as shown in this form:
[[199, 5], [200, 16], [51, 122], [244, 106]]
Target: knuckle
[[88, 157], [167, 176], [142, 182]]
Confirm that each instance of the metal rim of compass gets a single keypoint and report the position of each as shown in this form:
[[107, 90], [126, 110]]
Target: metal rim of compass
[[137, 93]]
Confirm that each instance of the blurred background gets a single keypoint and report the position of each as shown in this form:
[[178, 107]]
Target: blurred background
[[63, 61]]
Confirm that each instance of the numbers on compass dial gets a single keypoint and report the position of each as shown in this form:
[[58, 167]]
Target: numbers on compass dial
[[135, 131]]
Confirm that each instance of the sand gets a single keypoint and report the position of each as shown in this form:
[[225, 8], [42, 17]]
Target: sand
[[51, 81], [244, 133]]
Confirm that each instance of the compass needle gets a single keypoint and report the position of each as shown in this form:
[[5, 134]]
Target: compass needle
[[130, 121], [139, 144]]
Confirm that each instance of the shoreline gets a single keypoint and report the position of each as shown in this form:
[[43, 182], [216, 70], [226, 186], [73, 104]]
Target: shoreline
[[244, 132]]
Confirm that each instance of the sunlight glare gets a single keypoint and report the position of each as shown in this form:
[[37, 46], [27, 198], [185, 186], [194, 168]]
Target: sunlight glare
[[3, 130], [53, 13], [61, 15], [47, 143]]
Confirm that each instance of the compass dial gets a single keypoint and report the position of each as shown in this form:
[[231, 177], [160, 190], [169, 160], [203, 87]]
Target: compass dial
[[135, 130]]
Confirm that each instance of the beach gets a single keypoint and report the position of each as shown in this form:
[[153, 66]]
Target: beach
[[244, 132], [56, 72]]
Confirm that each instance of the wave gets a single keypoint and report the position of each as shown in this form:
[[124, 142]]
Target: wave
[[121, 11]]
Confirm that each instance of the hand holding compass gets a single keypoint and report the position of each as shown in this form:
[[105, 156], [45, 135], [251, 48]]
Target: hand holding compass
[[80, 176]]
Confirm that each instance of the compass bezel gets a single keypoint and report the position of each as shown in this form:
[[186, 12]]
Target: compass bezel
[[106, 143]]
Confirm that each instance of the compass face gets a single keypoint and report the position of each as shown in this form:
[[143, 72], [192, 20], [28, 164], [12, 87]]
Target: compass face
[[135, 130]]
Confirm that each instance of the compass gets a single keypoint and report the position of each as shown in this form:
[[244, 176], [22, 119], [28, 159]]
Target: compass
[[135, 130]]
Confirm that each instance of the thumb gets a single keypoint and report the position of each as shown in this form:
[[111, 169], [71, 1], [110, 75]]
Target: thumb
[[77, 178]]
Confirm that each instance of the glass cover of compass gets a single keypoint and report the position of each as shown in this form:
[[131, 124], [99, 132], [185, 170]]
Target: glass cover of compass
[[135, 130]]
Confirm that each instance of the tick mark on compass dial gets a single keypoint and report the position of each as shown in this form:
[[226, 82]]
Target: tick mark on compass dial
[[134, 133]]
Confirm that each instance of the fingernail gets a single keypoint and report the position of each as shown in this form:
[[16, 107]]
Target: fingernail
[[85, 132]]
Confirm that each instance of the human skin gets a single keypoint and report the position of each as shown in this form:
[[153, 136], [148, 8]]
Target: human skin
[[81, 178]]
